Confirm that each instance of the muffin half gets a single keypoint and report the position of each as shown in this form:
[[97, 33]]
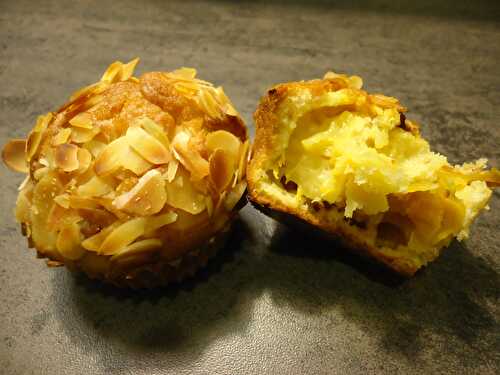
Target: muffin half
[[352, 165], [134, 181]]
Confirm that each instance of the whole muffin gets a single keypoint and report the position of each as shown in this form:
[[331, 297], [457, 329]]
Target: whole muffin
[[134, 181]]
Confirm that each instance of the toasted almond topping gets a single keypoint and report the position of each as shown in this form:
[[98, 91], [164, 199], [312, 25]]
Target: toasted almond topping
[[155, 130], [222, 169], [112, 71], [97, 217], [158, 221], [91, 102], [84, 160], [189, 158], [14, 155], [227, 106], [110, 159], [224, 140], [82, 120], [184, 73], [147, 197], [138, 247], [94, 243], [135, 162], [234, 196], [82, 202], [68, 242], [95, 88], [66, 157], [95, 147], [35, 136], [95, 187], [40, 172], [172, 170], [147, 146], [182, 194], [127, 70], [123, 236], [82, 135], [61, 137]]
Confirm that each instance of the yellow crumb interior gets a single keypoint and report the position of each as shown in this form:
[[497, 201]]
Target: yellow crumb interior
[[348, 153]]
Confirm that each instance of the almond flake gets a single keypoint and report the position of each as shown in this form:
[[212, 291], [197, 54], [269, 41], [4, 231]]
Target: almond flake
[[123, 236], [110, 159], [147, 146], [66, 157], [82, 120], [61, 137], [147, 197], [138, 247], [69, 242], [14, 155]]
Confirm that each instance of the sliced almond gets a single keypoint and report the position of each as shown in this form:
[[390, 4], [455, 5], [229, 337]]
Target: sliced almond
[[97, 217], [147, 197], [222, 169], [69, 242], [234, 196], [182, 194], [123, 236], [84, 160], [188, 157], [172, 170], [135, 162], [155, 130], [82, 135], [94, 243], [110, 159], [66, 157], [138, 247], [82, 202], [159, 221], [112, 71], [61, 137], [14, 155], [184, 73], [82, 120], [224, 140], [95, 187], [147, 146], [127, 70], [34, 138], [95, 147], [40, 173]]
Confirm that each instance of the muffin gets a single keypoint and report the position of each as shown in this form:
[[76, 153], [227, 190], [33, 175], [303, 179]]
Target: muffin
[[353, 167], [134, 181]]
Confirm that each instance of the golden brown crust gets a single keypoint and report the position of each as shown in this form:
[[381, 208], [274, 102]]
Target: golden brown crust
[[265, 144]]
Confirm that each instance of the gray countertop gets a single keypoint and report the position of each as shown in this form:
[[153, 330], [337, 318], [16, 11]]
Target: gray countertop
[[273, 301]]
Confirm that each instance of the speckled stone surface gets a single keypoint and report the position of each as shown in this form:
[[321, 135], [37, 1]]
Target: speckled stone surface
[[274, 301]]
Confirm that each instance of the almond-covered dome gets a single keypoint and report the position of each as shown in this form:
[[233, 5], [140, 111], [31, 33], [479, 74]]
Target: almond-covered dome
[[133, 180]]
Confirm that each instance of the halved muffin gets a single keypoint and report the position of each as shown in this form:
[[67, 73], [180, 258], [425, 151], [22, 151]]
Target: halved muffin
[[134, 181], [351, 164]]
